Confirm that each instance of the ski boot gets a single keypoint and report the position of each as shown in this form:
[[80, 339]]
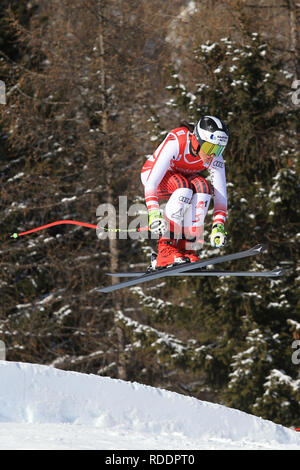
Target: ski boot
[[190, 254], [168, 254]]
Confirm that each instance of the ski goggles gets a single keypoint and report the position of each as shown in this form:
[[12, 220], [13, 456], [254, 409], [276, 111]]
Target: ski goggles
[[207, 147]]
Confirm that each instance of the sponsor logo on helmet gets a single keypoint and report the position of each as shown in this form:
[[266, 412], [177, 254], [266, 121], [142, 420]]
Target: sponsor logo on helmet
[[221, 138]]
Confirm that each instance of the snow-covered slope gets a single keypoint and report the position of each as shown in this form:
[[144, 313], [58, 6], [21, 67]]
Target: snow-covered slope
[[45, 408]]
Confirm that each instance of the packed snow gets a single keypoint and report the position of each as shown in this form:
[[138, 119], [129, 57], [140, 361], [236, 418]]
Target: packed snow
[[42, 407]]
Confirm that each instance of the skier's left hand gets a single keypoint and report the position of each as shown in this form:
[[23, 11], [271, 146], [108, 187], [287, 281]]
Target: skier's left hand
[[218, 236], [157, 224]]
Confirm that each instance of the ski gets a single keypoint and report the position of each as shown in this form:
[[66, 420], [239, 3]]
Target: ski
[[211, 272], [181, 268]]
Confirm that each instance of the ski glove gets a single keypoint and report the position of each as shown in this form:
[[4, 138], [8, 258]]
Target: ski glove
[[218, 236], [157, 224]]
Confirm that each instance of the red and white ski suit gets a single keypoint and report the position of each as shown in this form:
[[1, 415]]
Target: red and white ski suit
[[172, 169]]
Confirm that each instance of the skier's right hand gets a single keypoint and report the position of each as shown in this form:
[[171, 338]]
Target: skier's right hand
[[218, 236], [157, 224]]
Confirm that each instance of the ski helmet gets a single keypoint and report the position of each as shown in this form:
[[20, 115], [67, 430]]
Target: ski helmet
[[210, 134]]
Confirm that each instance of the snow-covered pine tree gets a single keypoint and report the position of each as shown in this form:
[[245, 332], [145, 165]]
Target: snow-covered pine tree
[[280, 399]]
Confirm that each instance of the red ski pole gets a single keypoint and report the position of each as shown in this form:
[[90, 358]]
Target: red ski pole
[[76, 222], [82, 224]]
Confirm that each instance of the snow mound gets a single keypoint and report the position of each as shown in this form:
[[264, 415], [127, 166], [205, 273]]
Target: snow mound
[[36, 395]]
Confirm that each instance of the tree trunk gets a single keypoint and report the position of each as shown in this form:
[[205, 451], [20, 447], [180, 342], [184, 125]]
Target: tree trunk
[[294, 18], [113, 243]]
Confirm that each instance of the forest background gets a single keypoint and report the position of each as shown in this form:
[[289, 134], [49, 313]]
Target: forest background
[[91, 89]]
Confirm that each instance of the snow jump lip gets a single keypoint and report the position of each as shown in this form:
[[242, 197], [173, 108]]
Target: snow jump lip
[[114, 410]]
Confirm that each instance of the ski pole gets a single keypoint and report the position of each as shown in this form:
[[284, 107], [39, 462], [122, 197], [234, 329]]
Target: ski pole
[[16, 235], [76, 222]]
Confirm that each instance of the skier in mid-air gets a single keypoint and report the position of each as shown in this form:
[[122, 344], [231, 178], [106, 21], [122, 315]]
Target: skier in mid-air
[[172, 173]]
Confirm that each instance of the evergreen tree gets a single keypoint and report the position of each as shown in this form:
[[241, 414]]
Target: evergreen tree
[[280, 399]]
